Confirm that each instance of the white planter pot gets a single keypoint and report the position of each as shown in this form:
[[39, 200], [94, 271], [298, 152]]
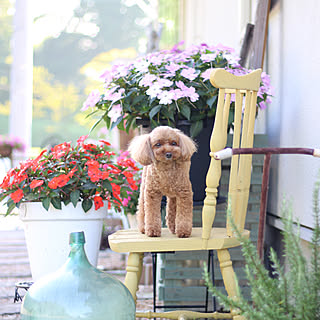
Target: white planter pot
[[132, 220], [47, 234]]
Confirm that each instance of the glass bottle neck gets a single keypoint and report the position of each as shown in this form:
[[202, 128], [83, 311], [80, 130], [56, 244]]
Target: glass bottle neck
[[77, 255]]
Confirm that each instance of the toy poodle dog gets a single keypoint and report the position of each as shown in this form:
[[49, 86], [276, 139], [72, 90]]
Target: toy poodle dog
[[165, 154]]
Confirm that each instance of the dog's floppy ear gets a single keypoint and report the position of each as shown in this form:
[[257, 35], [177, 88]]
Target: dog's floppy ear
[[187, 145], [140, 149]]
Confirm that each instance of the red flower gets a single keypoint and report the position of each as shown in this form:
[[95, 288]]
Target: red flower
[[92, 163], [36, 183], [36, 160], [6, 180], [98, 202], [61, 150], [116, 193], [105, 142], [89, 147], [94, 174], [80, 141], [128, 174], [59, 181], [17, 195], [71, 172]]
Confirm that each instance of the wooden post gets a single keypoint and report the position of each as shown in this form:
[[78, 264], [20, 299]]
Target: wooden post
[[21, 85], [259, 40]]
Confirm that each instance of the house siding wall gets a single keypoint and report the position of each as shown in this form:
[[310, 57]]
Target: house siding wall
[[293, 118]]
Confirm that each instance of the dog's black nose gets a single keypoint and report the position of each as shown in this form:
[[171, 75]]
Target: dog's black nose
[[168, 155]]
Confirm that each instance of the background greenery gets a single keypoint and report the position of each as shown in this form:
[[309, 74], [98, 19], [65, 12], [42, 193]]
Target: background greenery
[[67, 64]]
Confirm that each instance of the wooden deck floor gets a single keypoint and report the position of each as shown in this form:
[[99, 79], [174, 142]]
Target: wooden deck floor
[[14, 267]]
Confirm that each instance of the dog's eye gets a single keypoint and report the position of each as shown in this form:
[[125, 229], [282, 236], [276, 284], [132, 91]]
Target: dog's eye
[[173, 143], [158, 144]]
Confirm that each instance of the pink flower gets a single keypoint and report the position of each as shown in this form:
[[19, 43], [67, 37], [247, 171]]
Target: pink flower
[[172, 68], [163, 83], [92, 99], [188, 92], [208, 57], [115, 112], [125, 201], [166, 96], [147, 80], [107, 77], [189, 73], [153, 91], [114, 96], [206, 75], [142, 65], [262, 105], [122, 70], [177, 94], [155, 58]]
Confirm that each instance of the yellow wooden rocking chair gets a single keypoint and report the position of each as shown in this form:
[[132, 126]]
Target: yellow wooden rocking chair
[[244, 89]]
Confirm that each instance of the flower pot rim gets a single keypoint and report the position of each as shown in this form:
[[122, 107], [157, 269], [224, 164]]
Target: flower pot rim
[[30, 211]]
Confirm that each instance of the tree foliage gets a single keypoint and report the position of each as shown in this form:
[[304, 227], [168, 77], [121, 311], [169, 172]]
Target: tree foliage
[[51, 98]]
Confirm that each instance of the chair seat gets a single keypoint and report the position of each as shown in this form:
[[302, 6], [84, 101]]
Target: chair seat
[[132, 240]]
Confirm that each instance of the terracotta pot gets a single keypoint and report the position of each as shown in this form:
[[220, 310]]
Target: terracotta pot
[[5, 151]]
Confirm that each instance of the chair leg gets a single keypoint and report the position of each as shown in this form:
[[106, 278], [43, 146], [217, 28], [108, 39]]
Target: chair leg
[[134, 270], [228, 276]]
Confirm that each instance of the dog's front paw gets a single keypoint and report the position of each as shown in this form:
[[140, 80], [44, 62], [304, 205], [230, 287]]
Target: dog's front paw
[[150, 232], [183, 232], [141, 229]]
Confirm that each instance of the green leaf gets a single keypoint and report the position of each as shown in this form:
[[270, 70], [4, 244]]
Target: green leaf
[[211, 101], [66, 201], [88, 186], [129, 123], [138, 99], [74, 197], [169, 112], [46, 203], [91, 113], [114, 124], [95, 125], [56, 202], [196, 128], [124, 192], [10, 208], [185, 111], [107, 185], [86, 204], [154, 111]]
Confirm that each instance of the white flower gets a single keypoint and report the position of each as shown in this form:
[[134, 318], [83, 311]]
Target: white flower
[[115, 112], [165, 97], [153, 91]]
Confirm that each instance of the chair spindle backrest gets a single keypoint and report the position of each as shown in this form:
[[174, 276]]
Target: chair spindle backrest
[[242, 90]]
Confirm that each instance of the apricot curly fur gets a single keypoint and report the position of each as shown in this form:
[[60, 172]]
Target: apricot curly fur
[[165, 154]]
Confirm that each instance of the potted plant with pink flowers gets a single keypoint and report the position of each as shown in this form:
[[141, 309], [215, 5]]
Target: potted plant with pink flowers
[[68, 188], [167, 87], [171, 87], [8, 143]]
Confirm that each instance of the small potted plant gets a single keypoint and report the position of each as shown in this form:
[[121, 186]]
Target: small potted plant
[[283, 292], [169, 86], [68, 188], [8, 143]]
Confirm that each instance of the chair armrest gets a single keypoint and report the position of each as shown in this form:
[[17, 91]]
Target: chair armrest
[[229, 152], [223, 154]]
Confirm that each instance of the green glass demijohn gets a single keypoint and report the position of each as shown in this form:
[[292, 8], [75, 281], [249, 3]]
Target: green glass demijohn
[[78, 291]]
